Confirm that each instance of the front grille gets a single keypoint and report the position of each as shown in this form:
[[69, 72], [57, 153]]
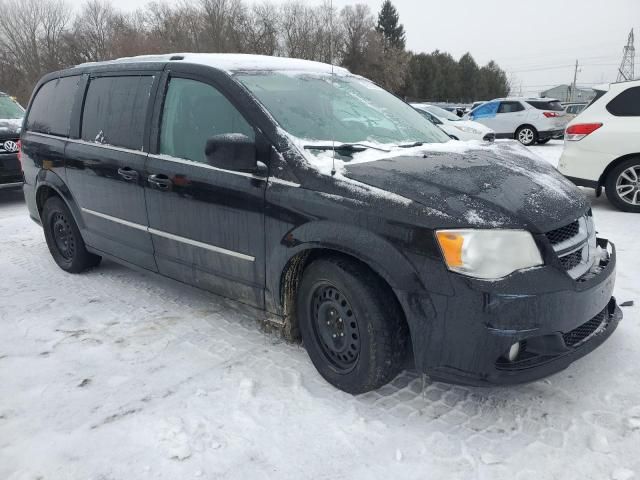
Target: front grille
[[572, 260], [584, 331], [562, 234], [574, 245], [2, 141]]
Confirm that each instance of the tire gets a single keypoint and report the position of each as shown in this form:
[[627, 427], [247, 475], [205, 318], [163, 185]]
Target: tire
[[621, 180], [543, 142], [63, 238], [527, 135], [368, 347]]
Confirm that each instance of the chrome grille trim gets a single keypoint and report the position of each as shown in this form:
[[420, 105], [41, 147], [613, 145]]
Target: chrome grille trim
[[585, 241]]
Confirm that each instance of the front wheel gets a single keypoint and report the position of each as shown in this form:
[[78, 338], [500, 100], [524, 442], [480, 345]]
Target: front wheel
[[622, 186], [527, 135], [63, 238], [351, 325]]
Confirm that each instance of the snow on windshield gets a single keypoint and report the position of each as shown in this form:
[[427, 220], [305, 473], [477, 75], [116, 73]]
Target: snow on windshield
[[340, 108], [9, 109]]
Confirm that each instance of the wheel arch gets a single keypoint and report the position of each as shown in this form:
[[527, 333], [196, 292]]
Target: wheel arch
[[49, 184], [613, 164], [515, 134], [321, 239], [294, 270]]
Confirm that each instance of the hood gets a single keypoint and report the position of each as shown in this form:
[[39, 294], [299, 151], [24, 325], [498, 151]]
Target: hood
[[475, 125], [498, 186], [10, 127]]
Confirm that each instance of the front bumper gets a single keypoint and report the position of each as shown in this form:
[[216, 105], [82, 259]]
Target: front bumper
[[10, 171], [464, 338], [551, 134]]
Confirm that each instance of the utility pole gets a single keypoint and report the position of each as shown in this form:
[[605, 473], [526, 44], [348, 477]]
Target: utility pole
[[626, 71], [573, 85]]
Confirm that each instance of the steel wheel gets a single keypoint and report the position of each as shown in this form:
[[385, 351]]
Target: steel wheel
[[335, 327], [628, 185], [64, 239], [526, 136], [63, 236]]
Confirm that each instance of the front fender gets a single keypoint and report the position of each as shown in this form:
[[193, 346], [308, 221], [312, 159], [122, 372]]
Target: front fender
[[368, 247]]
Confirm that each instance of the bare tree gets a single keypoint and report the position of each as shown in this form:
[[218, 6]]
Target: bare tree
[[177, 29], [31, 34], [38, 36], [356, 23], [262, 29], [224, 21], [93, 31], [297, 27]]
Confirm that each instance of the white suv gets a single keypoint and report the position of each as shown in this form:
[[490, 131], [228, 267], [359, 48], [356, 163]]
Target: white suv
[[602, 145], [529, 120]]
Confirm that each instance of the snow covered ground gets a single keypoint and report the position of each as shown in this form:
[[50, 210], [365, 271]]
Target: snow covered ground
[[117, 374]]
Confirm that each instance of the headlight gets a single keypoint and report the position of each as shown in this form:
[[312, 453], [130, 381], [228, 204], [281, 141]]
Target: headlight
[[488, 254], [468, 129]]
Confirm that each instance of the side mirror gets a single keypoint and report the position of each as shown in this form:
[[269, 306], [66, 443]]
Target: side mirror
[[232, 151]]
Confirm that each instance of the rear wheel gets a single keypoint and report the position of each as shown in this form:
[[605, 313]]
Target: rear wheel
[[622, 186], [63, 238], [351, 325], [527, 135]]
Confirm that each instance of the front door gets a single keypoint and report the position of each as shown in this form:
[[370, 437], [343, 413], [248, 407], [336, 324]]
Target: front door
[[486, 115], [105, 167], [510, 116], [207, 223]]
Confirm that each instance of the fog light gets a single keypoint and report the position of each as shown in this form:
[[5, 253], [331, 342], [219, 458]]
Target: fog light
[[514, 351]]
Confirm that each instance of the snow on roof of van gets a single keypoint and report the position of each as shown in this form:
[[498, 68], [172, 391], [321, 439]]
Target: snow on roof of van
[[232, 62]]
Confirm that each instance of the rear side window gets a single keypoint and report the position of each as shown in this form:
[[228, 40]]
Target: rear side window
[[510, 107], [115, 109], [50, 110], [626, 104], [554, 106]]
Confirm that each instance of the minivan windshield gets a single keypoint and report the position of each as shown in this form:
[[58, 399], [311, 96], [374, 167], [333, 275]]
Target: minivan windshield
[[10, 109], [341, 108]]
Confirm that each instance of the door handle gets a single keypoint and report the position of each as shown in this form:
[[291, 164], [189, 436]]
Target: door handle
[[128, 174], [160, 181]]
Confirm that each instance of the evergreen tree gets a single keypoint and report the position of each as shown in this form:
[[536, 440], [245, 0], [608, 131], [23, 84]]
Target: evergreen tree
[[469, 77], [390, 27]]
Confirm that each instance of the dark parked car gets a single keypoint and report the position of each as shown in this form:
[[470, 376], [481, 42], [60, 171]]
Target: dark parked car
[[11, 114], [326, 201]]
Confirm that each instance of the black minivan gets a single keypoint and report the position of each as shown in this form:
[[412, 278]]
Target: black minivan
[[314, 194]]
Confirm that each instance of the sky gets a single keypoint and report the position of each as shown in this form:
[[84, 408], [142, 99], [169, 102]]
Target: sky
[[537, 43]]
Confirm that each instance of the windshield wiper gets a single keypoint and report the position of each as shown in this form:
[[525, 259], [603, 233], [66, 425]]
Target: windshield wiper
[[410, 145], [345, 147]]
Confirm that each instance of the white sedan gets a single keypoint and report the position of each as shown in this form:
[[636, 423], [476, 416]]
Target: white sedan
[[453, 125]]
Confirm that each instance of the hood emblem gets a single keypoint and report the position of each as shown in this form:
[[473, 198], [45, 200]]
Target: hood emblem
[[10, 146]]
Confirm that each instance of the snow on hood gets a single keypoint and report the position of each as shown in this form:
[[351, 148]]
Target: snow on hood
[[471, 124], [513, 161]]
